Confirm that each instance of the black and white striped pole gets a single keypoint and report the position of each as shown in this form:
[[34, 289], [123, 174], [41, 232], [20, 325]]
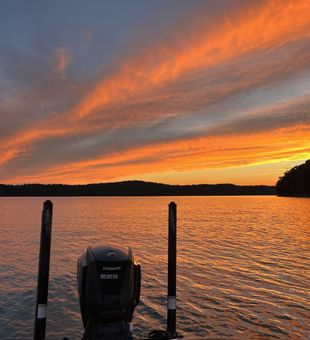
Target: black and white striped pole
[[172, 254], [43, 272]]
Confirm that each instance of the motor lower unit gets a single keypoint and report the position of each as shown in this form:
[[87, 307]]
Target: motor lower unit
[[109, 284]]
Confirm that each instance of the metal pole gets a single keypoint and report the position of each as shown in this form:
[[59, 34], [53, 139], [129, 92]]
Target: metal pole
[[43, 272], [172, 252]]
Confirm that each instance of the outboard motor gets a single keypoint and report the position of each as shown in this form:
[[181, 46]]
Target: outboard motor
[[109, 283]]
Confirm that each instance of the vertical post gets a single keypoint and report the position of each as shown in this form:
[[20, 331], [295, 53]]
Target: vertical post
[[43, 271], [172, 252]]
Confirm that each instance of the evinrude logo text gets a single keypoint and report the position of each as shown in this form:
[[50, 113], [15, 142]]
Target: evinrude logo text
[[112, 268]]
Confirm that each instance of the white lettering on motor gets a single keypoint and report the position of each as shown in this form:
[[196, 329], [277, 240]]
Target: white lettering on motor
[[109, 276]]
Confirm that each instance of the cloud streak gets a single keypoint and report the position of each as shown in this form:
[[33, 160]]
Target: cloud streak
[[251, 137], [62, 61]]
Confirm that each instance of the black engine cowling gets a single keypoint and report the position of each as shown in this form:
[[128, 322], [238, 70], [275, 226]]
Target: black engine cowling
[[109, 283]]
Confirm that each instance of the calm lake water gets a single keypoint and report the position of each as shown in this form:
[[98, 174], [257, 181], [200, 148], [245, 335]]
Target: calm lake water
[[243, 263]]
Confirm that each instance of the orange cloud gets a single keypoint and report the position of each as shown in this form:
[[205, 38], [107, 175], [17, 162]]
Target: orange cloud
[[184, 156], [275, 23]]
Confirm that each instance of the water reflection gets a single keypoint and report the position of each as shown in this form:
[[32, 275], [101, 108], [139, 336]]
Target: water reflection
[[242, 263]]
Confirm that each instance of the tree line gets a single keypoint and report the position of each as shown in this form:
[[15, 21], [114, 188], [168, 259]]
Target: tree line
[[133, 188], [295, 182]]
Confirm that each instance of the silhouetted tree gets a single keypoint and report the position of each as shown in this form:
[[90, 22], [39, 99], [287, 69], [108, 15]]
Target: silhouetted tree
[[295, 182]]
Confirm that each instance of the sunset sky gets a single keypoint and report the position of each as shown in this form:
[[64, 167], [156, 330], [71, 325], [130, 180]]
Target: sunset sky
[[197, 91]]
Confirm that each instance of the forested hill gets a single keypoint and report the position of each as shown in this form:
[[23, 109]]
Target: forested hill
[[133, 188], [295, 182]]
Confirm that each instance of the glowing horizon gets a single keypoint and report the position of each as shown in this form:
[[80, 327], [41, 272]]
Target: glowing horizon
[[219, 93]]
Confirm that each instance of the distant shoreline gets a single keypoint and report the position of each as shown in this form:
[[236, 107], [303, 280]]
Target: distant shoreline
[[134, 189]]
